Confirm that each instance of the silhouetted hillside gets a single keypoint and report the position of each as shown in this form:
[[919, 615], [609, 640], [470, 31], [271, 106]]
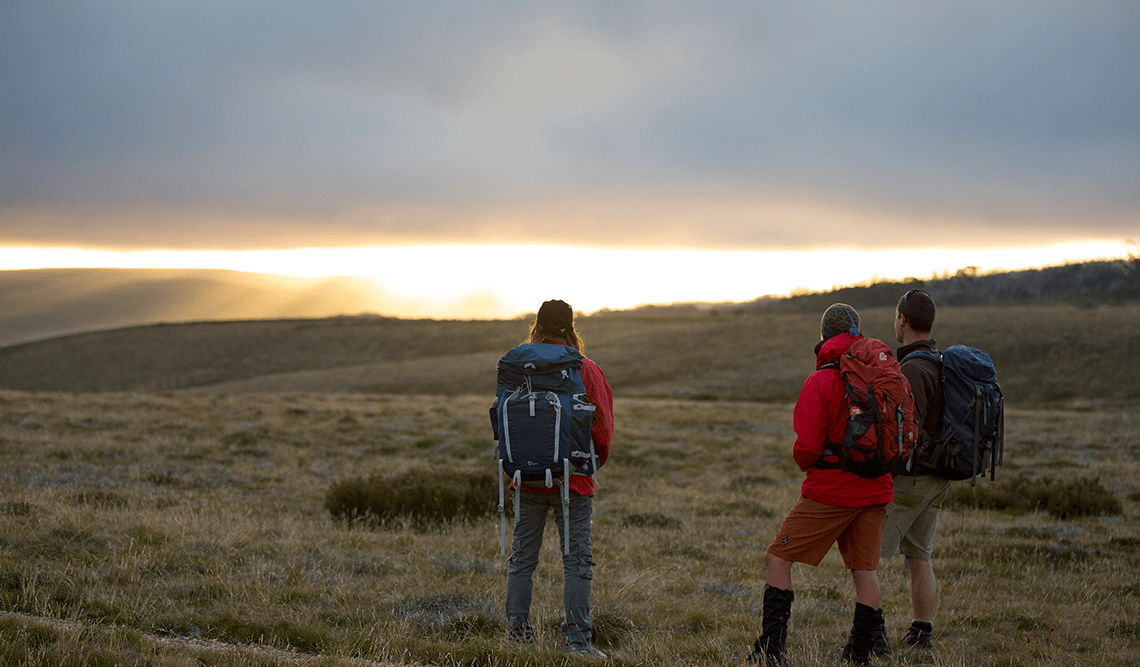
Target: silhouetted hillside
[[1086, 284]]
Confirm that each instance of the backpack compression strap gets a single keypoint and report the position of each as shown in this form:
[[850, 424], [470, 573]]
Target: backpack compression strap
[[502, 514], [565, 506]]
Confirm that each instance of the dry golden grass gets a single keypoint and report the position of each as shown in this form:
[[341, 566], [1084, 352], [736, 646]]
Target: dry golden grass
[[151, 518]]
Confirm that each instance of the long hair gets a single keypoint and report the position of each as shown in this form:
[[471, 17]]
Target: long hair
[[569, 337]]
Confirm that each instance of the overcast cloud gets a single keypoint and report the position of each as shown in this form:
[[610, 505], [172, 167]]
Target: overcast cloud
[[704, 124]]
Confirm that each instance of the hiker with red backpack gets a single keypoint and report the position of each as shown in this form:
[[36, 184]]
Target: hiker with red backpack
[[570, 494], [840, 421]]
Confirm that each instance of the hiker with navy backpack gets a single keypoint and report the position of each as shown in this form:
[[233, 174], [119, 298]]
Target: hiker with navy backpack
[[912, 517], [553, 420], [853, 420], [959, 406]]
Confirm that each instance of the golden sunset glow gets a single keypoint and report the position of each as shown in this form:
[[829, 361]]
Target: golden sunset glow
[[492, 281]]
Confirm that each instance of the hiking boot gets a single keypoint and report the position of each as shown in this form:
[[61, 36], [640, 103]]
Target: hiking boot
[[919, 634], [863, 634], [881, 645], [586, 651], [769, 648], [880, 648]]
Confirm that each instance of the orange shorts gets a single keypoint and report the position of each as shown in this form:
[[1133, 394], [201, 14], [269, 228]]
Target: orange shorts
[[811, 528]]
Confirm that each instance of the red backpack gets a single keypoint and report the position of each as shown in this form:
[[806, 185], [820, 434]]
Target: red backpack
[[881, 428]]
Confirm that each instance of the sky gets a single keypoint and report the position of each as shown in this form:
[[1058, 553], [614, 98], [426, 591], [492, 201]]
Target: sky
[[608, 153]]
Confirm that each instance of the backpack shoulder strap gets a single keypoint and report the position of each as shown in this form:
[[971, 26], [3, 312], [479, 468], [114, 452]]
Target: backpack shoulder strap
[[827, 443], [935, 358]]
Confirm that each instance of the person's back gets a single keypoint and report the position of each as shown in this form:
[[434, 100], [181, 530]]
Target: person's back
[[912, 517], [820, 417], [573, 507], [835, 506]]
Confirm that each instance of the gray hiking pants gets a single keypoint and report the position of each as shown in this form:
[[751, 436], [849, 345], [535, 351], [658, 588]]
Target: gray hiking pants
[[576, 565]]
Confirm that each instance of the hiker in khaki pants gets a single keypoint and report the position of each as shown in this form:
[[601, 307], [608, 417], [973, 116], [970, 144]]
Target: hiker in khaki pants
[[912, 518]]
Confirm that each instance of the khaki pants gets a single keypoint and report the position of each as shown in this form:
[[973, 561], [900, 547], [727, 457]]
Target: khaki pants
[[912, 519]]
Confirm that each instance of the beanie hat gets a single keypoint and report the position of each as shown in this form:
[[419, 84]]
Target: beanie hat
[[839, 318], [555, 317]]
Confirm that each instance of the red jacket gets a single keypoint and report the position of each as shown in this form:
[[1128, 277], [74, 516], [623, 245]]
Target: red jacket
[[821, 412], [602, 396]]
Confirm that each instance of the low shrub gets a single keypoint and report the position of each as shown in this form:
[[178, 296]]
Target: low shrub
[[423, 497], [1078, 496]]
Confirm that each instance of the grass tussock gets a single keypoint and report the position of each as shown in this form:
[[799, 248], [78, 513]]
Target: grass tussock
[[423, 497]]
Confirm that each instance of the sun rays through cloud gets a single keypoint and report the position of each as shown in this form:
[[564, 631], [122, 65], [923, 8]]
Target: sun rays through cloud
[[496, 281]]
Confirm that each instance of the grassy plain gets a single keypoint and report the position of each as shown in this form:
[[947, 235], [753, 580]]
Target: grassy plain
[[1046, 355], [188, 528]]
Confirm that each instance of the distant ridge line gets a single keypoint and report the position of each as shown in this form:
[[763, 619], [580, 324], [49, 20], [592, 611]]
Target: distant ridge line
[[1108, 282]]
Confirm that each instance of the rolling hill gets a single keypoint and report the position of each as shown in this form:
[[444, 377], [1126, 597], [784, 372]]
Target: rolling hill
[[36, 305], [1054, 354]]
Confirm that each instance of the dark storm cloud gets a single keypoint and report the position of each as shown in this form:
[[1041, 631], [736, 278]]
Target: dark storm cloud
[[1019, 114]]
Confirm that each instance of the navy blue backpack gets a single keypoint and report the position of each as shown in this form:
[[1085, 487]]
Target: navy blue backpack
[[542, 420], [972, 437]]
